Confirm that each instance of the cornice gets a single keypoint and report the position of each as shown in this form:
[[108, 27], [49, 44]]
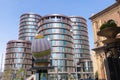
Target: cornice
[[118, 1], [105, 10]]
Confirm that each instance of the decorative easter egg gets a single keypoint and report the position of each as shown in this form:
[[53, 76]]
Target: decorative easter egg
[[41, 48]]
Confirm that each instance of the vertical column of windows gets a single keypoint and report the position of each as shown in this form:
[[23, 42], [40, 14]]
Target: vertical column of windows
[[60, 38], [29, 24]]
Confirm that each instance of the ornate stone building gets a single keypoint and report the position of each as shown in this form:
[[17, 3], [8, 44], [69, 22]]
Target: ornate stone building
[[111, 12]]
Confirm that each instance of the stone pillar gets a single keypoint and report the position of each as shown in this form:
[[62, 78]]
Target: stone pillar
[[107, 69]]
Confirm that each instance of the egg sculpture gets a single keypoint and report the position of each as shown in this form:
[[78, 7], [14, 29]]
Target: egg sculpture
[[41, 50]]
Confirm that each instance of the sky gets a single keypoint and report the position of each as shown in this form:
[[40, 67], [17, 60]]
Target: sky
[[10, 11]]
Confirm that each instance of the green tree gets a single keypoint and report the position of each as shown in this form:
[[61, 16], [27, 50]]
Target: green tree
[[20, 74], [7, 74], [96, 74], [109, 23]]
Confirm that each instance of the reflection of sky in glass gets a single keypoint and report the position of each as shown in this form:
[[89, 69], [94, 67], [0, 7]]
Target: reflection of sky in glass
[[86, 65], [37, 76], [53, 55], [53, 62], [43, 76], [58, 62]]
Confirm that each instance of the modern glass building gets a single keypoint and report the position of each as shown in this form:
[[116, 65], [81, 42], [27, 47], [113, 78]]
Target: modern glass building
[[28, 26], [68, 36], [18, 56], [57, 28], [82, 59]]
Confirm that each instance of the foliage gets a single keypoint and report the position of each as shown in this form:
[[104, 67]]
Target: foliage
[[96, 74], [20, 74], [109, 23], [41, 60], [41, 54], [71, 77], [7, 74]]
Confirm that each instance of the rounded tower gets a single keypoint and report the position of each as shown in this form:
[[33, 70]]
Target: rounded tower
[[18, 57], [28, 26], [81, 48], [57, 28]]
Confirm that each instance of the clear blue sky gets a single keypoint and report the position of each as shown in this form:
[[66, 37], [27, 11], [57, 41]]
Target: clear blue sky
[[10, 11]]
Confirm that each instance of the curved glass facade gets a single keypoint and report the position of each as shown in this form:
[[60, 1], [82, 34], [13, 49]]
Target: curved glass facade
[[18, 55], [82, 58], [70, 54], [57, 29], [28, 26]]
